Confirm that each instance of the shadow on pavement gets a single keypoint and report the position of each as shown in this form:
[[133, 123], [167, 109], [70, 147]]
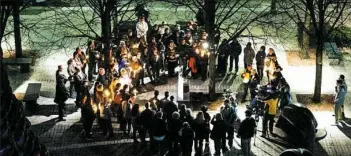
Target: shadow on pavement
[[47, 110], [43, 127], [346, 127]]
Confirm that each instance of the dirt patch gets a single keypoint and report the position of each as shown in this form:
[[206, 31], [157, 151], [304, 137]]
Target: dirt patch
[[215, 105], [326, 103], [295, 58]]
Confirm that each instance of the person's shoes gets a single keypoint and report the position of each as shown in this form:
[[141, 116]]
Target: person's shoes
[[333, 114]]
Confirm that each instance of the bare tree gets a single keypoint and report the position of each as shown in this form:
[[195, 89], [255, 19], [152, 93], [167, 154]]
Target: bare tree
[[232, 17], [324, 16]]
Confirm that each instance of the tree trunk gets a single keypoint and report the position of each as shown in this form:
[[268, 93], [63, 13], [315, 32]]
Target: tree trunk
[[106, 36], [210, 15], [17, 31], [319, 66], [274, 6]]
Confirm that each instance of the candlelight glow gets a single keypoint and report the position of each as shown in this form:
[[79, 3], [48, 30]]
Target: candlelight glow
[[205, 45], [107, 93]]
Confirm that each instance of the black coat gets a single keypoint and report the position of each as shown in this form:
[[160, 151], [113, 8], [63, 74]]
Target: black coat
[[260, 58], [247, 128], [146, 118], [169, 109], [174, 127], [218, 130], [158, 127], [156, 64], [200, 130], [61, 94]]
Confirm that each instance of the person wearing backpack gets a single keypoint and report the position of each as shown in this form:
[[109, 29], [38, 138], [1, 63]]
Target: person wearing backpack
[[229, 116], [246, 131]]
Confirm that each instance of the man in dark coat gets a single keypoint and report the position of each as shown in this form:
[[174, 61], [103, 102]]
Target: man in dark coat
[[146, 117], [156, 65], [246, 131], [260, 58], [170, 108], [92, 53], [234, 50], [61, 92]]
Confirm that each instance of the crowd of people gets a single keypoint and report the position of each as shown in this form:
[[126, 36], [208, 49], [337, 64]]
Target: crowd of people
[[112, 93]]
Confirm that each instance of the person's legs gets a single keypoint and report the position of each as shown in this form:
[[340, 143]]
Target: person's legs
[[264, 125], [337, 110], [60, 110], [231, 59], [230, 136], [342, 112], [129, 124], [246, 88], [236, 63], [271, 123], [217, 146], [245, 65], [245, 146]]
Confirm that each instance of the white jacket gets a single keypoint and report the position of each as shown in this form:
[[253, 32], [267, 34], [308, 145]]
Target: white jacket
[[142, 29]]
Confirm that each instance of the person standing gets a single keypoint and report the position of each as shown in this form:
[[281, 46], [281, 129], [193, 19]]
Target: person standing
[[218, 134], [249, 55], [199, 127], [61, 94], [284, 94], [156, 65], [229, 116], [136, 121], [82, 58], [170, 108], [164, 101], [260, 59], [186, 139], [174, 126], [142, 28], [93, 56], [79, 78], [146, 118], [339, 100], [155, 102], [271, 111], [207, 121], [158, 133], [246, 76], [246, 131], [342, 78], [88, 115], [233, 52], [71, 71]]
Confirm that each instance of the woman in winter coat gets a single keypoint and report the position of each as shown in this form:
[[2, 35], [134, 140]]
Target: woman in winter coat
[[218, 132], [199, 126], [186, 139]]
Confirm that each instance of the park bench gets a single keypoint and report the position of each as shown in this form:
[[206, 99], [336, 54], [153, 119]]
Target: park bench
[[332, 51], [22, 62], [31, 96]]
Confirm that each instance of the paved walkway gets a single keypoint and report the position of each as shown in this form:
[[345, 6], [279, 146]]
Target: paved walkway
[[63, 138]]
